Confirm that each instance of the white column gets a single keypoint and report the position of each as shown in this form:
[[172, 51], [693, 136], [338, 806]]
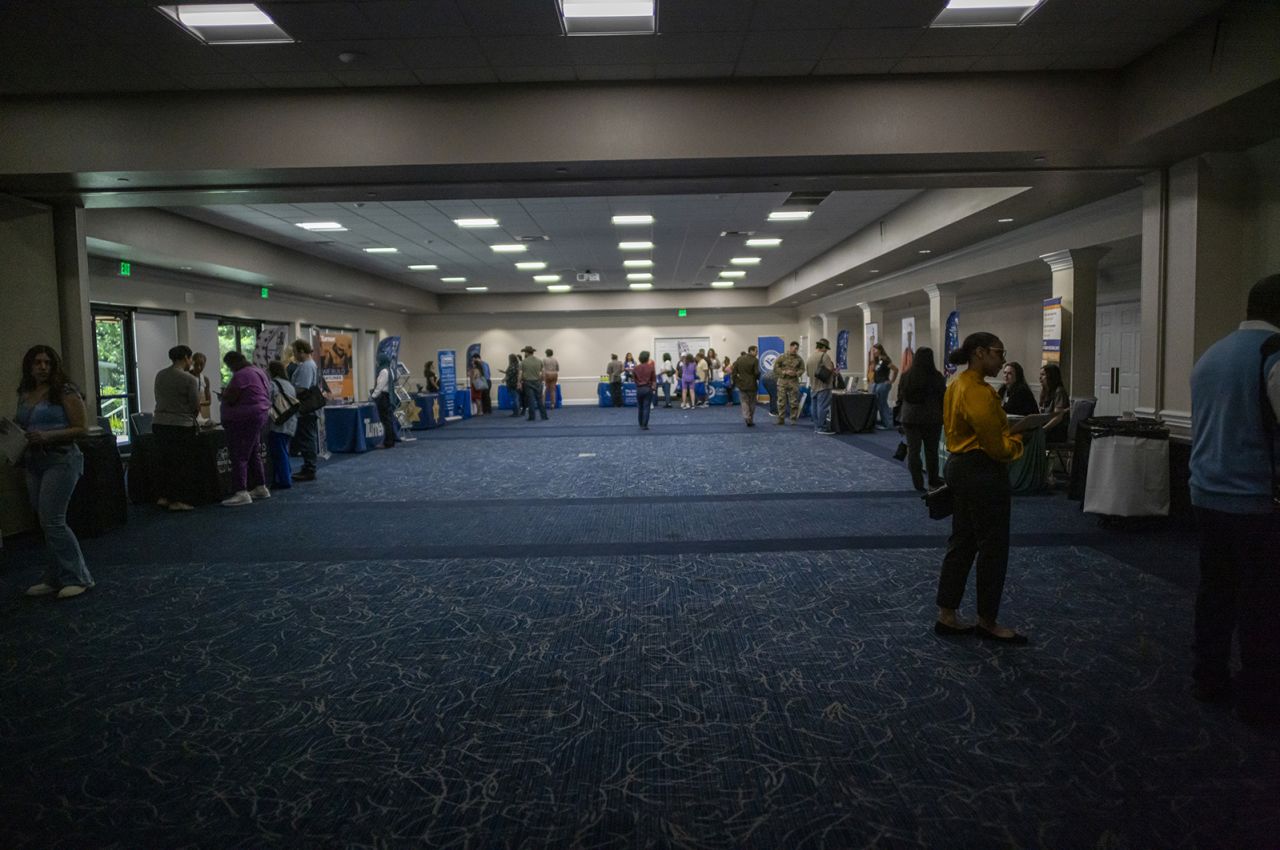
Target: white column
[[1075, 281], [187, 328], [872, 311], [71, 260], [942, 300]]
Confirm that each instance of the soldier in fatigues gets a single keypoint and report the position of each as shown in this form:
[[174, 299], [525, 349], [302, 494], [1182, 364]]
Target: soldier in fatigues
[[787, 369]]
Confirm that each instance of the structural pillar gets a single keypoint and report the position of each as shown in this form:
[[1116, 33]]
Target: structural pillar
[[942, 300], [872, 313], [71, 264], [1075, 281]]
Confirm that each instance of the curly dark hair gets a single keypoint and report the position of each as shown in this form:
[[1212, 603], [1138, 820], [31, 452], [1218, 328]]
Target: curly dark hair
[[59, 384]]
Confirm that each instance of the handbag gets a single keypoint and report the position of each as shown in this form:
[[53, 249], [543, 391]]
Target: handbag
[[822, 373], [940, 502], [480, 383], [901, 452], [310, 399], [283, 408], [840, 382]]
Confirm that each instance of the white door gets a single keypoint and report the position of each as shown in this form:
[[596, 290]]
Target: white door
[[1118, 342], [1130, 334]]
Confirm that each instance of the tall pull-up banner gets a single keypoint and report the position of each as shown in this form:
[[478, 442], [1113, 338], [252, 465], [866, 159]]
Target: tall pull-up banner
[[446, 362]]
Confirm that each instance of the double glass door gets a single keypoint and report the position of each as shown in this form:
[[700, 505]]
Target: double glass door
[[116, 370]]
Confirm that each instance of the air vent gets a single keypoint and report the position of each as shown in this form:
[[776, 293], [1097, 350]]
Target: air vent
[[533, 238], [737, 233], [805, 200]]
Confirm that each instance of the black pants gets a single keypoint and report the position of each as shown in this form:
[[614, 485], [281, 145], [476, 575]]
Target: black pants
[[388, 420], [176, 449], [486, 402], [304, 441], [615, 391], [928, 437], [979, 526], [1240, 592], [533, 399]]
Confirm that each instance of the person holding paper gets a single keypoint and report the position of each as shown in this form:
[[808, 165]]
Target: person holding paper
[[52, 413], [174, 427]]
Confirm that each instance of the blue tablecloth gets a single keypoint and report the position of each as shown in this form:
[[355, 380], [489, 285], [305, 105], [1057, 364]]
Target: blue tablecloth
[[628, 394], [507, 402], [431, 411], [462, 403], [352, 427]]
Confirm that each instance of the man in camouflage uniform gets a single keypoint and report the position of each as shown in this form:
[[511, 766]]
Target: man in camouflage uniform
[[787, 370]]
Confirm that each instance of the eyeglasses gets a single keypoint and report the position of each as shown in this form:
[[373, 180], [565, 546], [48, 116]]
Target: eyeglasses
[[999, 351]]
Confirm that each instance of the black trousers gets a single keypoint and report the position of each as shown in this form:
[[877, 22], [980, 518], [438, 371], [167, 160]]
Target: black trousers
[[1240, 592], [928, 437], [979, 526], [387, 418], [176, 448], [305, 440], [615, 392]]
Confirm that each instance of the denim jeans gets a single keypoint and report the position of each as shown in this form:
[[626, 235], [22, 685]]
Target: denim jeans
[[644, 403], [51, 479], [881, 391], [533, 398], [281, 471], [666, 393], [821, 405]]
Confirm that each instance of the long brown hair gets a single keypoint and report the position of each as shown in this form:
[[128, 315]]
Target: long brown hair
[[58, 381], [1052, 380]]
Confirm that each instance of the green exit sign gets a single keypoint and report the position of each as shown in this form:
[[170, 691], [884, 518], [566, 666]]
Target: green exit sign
[[266, 293], [682, 313], [126, 269]]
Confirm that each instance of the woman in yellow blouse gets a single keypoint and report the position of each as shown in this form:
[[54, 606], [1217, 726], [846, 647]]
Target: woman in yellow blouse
[[980, 444]]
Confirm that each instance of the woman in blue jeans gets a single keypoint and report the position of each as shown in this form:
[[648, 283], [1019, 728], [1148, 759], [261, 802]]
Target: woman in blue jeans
[[52, 413], [884, 374]]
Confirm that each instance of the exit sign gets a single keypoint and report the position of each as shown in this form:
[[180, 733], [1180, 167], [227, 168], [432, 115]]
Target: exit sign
[[682, 313], [266, 293], [126, 269]]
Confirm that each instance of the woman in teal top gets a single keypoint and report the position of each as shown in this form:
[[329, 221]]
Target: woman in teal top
[[52, 413]]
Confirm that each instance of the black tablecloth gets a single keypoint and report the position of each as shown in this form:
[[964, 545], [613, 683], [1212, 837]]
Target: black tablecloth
[[853, 412], [210, 468], [98, 503]]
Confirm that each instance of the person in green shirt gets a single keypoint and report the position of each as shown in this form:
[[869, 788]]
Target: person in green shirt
[[531, 383], [787, 369], [746, 377]]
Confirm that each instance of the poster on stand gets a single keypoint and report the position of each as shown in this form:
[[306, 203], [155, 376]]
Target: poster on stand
[[1051, 350], [768, 349], [951, 342], [271, 343], [869, 358], [336, 360], [842, 350], [446, 363], [908, 343]]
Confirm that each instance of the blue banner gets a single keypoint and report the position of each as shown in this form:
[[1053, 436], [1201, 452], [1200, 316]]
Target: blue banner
[[770, 349], [473, 351], [951, 342], [842, 350], [447, 366]]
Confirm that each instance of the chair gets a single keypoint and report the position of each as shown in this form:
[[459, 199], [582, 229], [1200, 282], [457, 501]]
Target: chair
[[140, 423], [1081, 409]]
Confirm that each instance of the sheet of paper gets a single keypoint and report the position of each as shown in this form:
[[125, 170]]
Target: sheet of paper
[[13, 440]]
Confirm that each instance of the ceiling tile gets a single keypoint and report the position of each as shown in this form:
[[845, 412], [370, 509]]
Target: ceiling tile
[[871, 43], [705, 70], [455, 76], [511, 17], [934, 64], [679, 16], [297, 79], [899, 13], [270, 58], [536, 74], [527, 50], [1094, 61], [855, 66], [792, 46], [115, 25], [414, 18], [215, 82], [462, 52], [800, 15], [1026, 62], [320, 21], [615, 72], [958, 41], [370, 55], [376, 77], [774, 69]]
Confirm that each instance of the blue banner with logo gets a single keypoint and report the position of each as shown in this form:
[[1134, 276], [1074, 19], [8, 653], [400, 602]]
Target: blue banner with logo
[[446, 362], [842, 350], [951, 342], [473, 351], [770, 348]]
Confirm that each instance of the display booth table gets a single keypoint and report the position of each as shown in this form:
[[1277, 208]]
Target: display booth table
[[462, 403], [1027, 474], [1128, 467], [99, 502], [853, 413], [628, 394], [209, 468], [507, 398], [431, 413], [717, 393], [352, 428]]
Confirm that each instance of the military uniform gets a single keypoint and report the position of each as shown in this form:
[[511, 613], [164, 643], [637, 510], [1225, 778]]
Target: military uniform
[[787, 370]]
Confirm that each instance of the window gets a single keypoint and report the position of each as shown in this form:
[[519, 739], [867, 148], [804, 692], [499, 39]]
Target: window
[[116, 369], [236, 335]]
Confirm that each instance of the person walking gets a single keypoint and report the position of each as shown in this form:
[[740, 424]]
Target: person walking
[[281, 432], [746, 377], [787, 370], [511, 378], [646, 388], [531, 380], [1235, 492], [246, 401], [884, 373], [52, 413], [727, 368], [550, 377], [384, 400], [173, 425], [688, 383], [822, 377], [921, 391], [666, 377], [305, 377], [614, 372], [981, 444]]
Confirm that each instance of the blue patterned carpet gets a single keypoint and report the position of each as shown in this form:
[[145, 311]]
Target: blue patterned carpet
[[577, 634]]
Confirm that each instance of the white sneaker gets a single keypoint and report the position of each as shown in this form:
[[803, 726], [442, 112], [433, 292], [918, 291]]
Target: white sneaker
[[259, 493], [71, 590], [241, 498], [180, 506], [162, 502], [41, 589]]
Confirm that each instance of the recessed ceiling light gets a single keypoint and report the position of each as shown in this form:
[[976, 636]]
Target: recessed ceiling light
[[476, 222], [632, 219], [745, 261], [381, 250], [790, 215], [477, 289], [985, 13], [608, 17], [640, 276], [547, 278], [638, 264], [733, 274], [371, 304], [721, 284], [764, 243], [559, 287], [423, 268], [1004, 221], [321, 226], [925, 251], [839, 284], [635, 246], [328, 295], [639, 286], [873, 271], [531, 266], [509, 249], [226, 23], [453, 280]]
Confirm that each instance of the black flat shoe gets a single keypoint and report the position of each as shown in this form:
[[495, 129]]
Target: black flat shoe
[[944, 629], [1014, 639]]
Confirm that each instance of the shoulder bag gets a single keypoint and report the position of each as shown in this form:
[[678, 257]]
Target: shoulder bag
[[283, 408], [940, 502]]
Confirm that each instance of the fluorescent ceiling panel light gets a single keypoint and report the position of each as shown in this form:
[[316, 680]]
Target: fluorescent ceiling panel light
[[608, 17], [639, 286], [382, 250], [640, 276], [509, 249], [321, 226], [423, 268], [721, 284], [531, 266], [764, 243], [547, 278], [476, 222], [790, 215], [559, 287], [745, 261], [453, 280], [1004, 221], [638, 264], [985, 13], [477, 289], [226, 23], [635, 246], [632, 219], [733, 274]]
